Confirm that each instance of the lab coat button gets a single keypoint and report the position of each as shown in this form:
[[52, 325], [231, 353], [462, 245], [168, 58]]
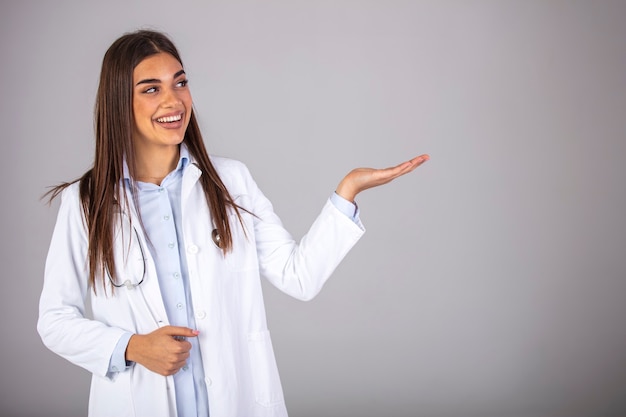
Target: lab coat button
[[193, 249], [208, 381], [200, 314]]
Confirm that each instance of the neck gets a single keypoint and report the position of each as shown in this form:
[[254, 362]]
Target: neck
[[154, 165]]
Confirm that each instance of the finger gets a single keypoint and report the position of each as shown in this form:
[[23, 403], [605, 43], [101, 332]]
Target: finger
[[173, 368], [391, 173], [410, 165], [180, 333], [176, 360], [419, 160], [401, 169], [184, 347]]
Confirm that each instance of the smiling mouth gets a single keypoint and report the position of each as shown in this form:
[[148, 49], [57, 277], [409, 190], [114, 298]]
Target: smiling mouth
[[170, 119]]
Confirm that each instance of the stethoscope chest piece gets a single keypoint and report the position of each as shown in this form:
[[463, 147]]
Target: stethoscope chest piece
[[217, 239]]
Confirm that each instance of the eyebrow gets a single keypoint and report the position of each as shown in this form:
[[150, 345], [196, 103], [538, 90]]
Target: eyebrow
[[157, 81]]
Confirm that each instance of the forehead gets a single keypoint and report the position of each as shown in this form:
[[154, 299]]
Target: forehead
[[158, 66]]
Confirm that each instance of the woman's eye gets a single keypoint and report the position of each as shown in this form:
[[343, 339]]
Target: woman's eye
[[150, 90], [182, 83]]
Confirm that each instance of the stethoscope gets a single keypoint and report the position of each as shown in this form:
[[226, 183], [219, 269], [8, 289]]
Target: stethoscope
[[215, 236], [127, 283]]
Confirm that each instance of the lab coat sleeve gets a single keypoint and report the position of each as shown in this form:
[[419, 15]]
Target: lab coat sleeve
[[63, 325], [300, 269]]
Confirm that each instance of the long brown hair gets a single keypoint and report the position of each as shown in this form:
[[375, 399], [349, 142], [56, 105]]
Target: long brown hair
[[102, 187]]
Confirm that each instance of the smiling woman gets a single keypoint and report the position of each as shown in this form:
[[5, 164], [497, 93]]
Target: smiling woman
[[192, 235], [162, 109]]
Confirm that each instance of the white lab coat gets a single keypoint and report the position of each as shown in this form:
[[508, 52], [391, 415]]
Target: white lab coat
[[241, 373]]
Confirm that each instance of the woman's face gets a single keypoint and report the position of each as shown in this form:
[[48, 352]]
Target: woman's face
[[161, 103]]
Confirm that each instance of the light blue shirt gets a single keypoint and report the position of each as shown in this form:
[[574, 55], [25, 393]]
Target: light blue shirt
[[162, 219]]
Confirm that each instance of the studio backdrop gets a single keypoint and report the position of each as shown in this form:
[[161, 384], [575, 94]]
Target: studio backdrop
[[491, 282]]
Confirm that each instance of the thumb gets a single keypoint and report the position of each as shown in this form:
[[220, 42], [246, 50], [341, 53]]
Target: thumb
[[179, 332]]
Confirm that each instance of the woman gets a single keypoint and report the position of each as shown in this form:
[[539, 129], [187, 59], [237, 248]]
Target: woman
[[166, 245]]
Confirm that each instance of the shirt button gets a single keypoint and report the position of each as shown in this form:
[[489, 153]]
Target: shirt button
[[176, 275], [185, 368], [208, 381], [166, 217], [171, 245], [161, 189], [201, 314], [193, 249], [179, 306]]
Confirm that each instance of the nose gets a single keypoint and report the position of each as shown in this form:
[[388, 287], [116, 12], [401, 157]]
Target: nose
[[170, 98]]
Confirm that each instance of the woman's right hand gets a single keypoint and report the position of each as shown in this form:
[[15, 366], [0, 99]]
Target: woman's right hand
[[163, 351]]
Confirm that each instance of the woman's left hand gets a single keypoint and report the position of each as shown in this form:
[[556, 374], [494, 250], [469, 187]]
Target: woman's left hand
[[360, 179]]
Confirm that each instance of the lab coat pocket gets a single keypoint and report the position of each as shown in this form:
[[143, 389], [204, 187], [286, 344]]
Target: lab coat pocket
[[111, 397], [265, 379]]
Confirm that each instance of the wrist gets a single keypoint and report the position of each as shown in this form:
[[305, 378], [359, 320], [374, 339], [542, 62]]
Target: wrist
[[345, 192], [131, 348]]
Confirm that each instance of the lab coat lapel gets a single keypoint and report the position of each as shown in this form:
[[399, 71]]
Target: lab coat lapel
[[191, 175]]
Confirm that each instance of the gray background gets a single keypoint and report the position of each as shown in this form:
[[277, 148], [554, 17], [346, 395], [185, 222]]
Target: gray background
[[491, 282]]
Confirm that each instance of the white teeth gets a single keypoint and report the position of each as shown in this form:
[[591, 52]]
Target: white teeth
[[169, 119]]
